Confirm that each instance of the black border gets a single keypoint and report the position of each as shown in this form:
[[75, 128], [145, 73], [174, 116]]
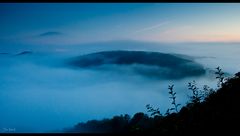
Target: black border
[[119, 1]]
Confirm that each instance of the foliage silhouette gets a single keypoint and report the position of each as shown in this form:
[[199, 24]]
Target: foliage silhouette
[[216, 112], [219, 76], [197, 95], [173, 98], [154, 112]]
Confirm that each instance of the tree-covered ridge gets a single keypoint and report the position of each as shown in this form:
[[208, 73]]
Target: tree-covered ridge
[[210, 111], [145, 63]]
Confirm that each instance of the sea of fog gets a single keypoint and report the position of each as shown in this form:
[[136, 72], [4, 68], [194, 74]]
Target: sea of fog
[[39, 94]]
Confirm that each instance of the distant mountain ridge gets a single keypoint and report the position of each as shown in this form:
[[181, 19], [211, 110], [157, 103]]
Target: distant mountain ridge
[[143, 62], [24, 53]]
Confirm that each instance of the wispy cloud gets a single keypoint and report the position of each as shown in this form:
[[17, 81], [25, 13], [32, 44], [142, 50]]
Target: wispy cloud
[[50, 33], [152, 27], [170, 34], [178, 30]]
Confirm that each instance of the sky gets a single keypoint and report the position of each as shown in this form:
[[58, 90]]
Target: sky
[[77, 23]]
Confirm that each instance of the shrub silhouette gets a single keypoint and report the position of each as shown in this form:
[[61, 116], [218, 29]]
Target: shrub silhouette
[[173, 98], [219, 76], [197, 95], [216, 111], [154, 112]]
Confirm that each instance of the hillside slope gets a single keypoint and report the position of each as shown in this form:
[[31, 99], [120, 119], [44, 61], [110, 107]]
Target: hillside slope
[[218, 113]]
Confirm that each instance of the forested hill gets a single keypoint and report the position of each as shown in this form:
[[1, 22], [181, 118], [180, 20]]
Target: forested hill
[[145, 63]]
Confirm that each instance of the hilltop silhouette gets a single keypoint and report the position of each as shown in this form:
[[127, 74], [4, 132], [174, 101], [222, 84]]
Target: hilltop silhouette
[[149, 64], [24, 53]]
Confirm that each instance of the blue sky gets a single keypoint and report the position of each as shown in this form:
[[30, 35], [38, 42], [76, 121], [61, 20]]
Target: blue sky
[[76, 23]]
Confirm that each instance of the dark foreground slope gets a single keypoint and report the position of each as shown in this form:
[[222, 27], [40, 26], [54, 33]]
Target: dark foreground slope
[[149, 64], [219, 113]]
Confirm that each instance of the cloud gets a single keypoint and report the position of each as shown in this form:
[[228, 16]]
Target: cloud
[[50, 33], [179, 29], [171, 34], [46, 38], [152, 27], [45, 92]]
